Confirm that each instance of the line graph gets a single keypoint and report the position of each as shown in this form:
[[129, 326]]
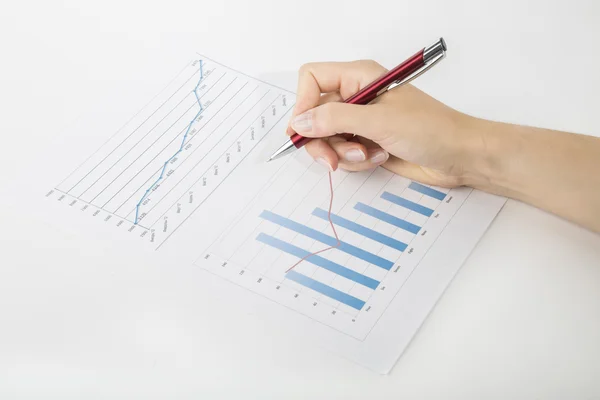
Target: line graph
[[141, 154], [145, 166], [199, 161], [167, 159], [187, 131], [204, 156]]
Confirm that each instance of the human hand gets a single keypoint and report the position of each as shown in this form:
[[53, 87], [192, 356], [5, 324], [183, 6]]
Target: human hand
[[404, 130]]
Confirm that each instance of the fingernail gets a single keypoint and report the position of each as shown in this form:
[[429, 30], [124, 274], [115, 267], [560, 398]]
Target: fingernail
[[324, 163], [302, 122], [354, 155], [379, 157]]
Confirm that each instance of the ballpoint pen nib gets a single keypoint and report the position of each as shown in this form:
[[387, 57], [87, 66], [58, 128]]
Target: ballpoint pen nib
[[287, 148]]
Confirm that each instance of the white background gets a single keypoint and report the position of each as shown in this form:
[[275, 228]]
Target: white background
[[521, 319]]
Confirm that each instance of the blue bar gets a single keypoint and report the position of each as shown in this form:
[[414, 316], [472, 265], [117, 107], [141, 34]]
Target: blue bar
[[407, 204], [317, 260], [328, 240], [389, 218], [360, 229], [436, 194], [325, 289]]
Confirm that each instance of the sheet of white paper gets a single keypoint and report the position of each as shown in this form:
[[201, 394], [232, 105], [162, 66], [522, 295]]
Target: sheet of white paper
[[185, 180]]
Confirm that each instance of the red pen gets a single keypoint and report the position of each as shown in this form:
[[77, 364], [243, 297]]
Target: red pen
[[402, 74]]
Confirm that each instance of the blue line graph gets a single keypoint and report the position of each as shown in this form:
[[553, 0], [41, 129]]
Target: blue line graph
[[187, 131]]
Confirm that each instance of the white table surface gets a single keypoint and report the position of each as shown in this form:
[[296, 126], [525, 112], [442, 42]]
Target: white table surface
[[521, 319]]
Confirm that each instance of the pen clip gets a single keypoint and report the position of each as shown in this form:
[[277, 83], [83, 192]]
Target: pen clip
[[418, 72]]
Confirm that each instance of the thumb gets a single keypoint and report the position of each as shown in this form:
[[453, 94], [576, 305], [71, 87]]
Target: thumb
[[334, 118]]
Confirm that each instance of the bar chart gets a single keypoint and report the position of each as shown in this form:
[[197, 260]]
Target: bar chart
[[385, 224]]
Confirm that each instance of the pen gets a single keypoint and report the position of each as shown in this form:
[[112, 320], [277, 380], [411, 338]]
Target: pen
[[401, 75]]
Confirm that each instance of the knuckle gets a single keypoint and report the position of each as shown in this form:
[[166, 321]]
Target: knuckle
[[305, 68]]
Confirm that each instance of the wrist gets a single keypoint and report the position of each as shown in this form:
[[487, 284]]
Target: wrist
[[484, 155]]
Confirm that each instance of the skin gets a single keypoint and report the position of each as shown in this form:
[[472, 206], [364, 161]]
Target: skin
[[412, 134]]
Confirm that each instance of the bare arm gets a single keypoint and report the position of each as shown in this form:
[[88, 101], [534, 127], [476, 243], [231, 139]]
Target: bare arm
[[556, 171]]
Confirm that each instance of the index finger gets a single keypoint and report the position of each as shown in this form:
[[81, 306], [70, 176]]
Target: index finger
[[346, 78]]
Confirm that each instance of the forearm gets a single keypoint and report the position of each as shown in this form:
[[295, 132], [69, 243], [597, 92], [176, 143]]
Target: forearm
[[555, 171]]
